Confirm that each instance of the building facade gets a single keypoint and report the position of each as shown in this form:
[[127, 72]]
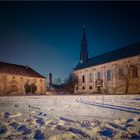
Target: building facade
[[116, 72], [14, 78]]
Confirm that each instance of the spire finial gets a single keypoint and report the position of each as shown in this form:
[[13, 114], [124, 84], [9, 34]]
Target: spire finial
[[84, 33]]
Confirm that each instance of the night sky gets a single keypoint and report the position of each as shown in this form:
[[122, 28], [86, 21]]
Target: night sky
[[47, 35]]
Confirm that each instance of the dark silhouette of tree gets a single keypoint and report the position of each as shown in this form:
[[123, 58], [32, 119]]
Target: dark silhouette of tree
[[70, 82], [33, 88], [27, 88], [127, 78], [57, 81]]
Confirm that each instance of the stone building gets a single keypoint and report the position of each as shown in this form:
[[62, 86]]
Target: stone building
[[115, 72], [14, 77]]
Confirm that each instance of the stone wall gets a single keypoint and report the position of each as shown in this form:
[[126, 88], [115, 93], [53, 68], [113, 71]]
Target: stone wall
[[114, 85], [14, 84]]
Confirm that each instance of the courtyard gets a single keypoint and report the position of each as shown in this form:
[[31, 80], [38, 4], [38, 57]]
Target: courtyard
[[76, 117]]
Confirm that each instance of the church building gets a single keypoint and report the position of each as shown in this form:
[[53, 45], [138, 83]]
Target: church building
[[115, 72], [15, 78]]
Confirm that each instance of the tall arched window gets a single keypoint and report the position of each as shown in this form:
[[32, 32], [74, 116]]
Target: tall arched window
[[99, 75], [83, 79], [90, 77], [134, 71], [108, 75]]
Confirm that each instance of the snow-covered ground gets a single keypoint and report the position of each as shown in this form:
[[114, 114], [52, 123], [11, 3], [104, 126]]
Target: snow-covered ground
[[70, 117]]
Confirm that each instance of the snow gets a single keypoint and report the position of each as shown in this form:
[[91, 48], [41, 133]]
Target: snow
[[70, 117]]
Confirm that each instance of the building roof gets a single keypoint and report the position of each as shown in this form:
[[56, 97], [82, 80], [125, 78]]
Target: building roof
[[15, 69], [125, 52]]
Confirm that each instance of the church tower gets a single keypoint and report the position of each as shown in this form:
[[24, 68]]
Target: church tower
[[84, 51]]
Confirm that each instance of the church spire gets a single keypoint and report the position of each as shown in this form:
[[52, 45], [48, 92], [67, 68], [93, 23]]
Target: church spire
[[84, 51], [84, 34]]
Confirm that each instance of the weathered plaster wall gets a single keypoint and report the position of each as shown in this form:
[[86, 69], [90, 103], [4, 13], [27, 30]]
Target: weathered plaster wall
[[18, 82], [114, 85]]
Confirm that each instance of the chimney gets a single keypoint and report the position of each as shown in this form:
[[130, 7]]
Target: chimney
[[50, 78]]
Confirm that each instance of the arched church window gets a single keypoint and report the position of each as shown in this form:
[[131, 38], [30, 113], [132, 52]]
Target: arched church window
[[90, 77], [108, 75], [83, 79], [99, 75]]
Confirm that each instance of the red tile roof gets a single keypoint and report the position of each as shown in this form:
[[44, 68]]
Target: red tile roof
[[18, 70]]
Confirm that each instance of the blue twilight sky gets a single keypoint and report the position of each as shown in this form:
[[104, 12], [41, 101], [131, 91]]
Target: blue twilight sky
[[47, 35]]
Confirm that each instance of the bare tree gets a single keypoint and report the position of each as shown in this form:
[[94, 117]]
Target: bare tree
[[126, 76], [57, 81], [69, 82]]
